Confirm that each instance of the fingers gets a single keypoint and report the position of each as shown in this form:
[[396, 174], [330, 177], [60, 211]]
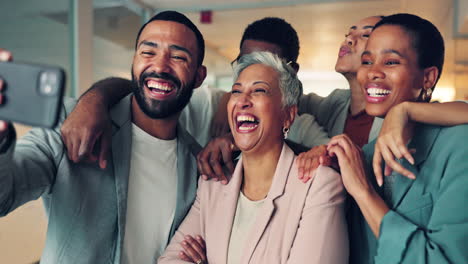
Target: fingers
[[215, 163], [377, 166], [226, 153], [194, 248], [309, 161], [73, 151], [209, 160], [390, 161], [104, 150], [300, 160], [85, 149], [5, 55], [184, 257], [309, 165], [203, 161], [3, 129], [406, 153]]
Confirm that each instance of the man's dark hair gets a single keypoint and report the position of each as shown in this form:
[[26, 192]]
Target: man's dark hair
[[276, 31], [182, 19], [427, 40]]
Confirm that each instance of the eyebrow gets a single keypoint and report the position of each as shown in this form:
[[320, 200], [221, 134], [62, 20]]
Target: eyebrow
[[155, 45], [148, 43], [256, 82], [385, 51], [177, 47]]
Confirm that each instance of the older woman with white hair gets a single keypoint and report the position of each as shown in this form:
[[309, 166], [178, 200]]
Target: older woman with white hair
[[265, 214]]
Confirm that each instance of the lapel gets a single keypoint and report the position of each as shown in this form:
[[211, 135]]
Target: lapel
[[423, 140], [187, 176], [276, 190], [226, 206], [121, 148]]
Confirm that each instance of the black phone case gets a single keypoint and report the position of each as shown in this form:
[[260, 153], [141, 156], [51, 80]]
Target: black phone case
[[26, 99]]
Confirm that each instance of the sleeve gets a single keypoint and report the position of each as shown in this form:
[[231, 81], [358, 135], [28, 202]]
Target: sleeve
[[198, 114], [190, 226], [445, 238], [306, 131], [325, 109], [310, 104], [322, 236], [28, 168]]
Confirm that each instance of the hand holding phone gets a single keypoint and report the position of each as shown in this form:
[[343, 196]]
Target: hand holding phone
[[31, 93]]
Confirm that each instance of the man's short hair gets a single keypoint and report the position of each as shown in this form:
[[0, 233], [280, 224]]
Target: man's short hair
[[181, 19], [276, 31]]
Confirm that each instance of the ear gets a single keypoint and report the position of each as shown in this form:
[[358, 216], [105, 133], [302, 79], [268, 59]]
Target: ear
[[291, 113], [200, 76], [430, 77]]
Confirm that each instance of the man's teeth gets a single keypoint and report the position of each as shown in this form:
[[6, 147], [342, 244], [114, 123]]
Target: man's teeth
[[245, 118], [376, 92], [159, 86]]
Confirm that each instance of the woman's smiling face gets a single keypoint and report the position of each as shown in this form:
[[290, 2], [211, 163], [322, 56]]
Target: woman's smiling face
[[389, 73], [255, 109]]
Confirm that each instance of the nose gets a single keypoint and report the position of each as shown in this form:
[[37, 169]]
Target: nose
[[375, 73], [161, 63], [244, 101], [350, 39]]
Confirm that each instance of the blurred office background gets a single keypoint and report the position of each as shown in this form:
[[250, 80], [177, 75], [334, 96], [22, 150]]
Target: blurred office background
[[92, 40]]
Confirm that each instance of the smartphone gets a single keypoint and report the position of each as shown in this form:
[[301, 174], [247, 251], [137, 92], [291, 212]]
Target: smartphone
[[32, 93]]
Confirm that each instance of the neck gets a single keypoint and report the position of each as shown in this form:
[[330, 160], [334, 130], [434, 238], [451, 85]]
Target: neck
[[358, 100], [259, 169], [164, 129]]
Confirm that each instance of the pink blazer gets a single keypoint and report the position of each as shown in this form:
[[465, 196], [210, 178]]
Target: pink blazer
[[298, 223]]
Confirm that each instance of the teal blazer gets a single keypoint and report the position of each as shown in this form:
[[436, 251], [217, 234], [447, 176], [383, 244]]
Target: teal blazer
[[86, 206], [428, 220]]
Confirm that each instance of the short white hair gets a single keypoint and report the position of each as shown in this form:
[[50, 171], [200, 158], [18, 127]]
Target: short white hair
[[289, 84]]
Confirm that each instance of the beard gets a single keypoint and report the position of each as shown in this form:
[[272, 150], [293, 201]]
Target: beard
[[157, 109]]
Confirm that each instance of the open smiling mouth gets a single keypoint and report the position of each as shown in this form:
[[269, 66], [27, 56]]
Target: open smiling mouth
[[246, 123], [377, 92], [160, 88]]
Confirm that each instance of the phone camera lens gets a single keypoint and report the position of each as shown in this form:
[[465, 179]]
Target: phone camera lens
[[48, 83]]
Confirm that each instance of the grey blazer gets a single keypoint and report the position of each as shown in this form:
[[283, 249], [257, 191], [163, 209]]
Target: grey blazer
[[86, 206]]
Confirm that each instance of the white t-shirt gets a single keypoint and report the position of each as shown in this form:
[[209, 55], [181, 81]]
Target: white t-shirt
[[246, 214], [197, 115], [151, 199]]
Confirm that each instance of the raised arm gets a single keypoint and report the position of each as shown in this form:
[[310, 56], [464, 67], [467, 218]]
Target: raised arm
[[87, 130], [322, 236], [396, 131]]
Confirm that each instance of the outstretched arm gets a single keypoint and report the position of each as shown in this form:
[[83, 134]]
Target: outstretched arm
[[87, 130], [397, 129]]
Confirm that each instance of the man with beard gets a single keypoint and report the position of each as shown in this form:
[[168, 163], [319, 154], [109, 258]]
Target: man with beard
[[127, 212]]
